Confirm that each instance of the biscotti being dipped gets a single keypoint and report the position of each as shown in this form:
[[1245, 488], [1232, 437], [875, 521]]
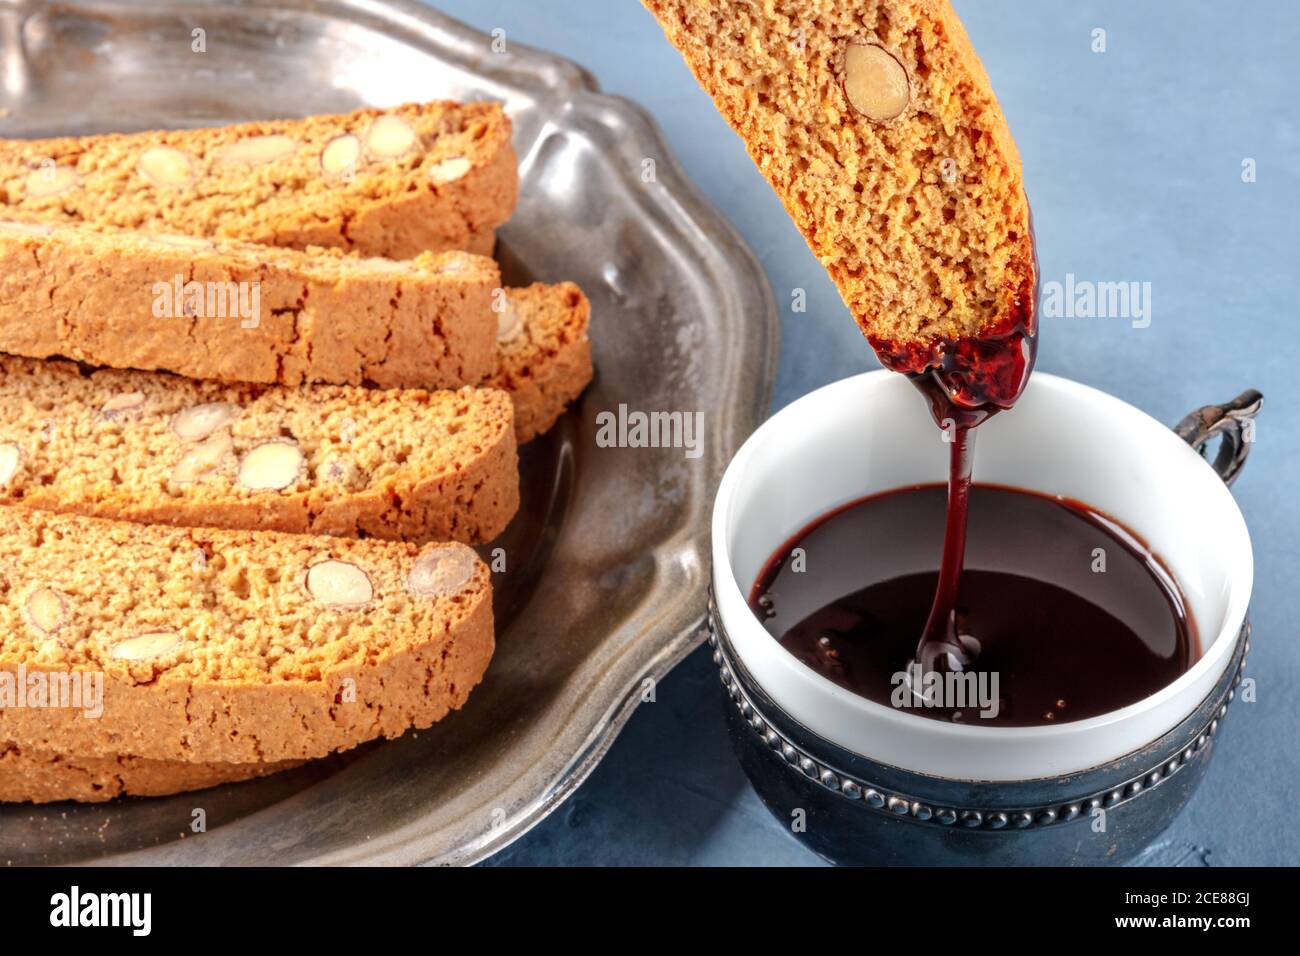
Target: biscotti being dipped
[[398, 182], [874, 122], [150, 447], [231, 646], [236, 311]]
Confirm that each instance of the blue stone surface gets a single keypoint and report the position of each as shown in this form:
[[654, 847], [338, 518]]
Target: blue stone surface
[[1134, 165]]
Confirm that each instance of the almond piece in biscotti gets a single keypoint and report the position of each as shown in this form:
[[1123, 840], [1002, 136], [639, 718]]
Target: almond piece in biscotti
[[37, 229], [390, 138], [340, 155], [875, 82], [11, 457], [441, 572], [120, 406], [339, 585], [200, 421], [203, 458], [46, 610], [146, 646], [449, 170], [271, 466], [509, 325], [257, 150], [50, 181], [166, 166]]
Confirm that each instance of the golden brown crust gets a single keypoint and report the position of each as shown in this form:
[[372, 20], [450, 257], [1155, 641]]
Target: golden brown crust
[[33, 776], [233, 658], [233, 311], [545, 362], [921, 220], [449, 192], [392, 464]]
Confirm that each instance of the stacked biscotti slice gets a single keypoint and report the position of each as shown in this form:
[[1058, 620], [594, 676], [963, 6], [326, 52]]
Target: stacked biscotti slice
[[232, 646], [397, 464], [417, 178], [232, 354]]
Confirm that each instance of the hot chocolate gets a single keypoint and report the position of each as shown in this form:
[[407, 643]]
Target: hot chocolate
[[1073, 614]]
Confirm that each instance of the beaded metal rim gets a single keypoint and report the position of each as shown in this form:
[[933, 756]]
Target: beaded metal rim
[[894, 803]]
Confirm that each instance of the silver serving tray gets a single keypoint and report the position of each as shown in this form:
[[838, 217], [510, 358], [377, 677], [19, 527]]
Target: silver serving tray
[[607, 563]]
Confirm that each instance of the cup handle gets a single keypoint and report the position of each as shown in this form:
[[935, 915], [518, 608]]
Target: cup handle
[[1233, 422]]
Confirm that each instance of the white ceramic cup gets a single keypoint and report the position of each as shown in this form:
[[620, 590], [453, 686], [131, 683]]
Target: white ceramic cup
[[873, 433]]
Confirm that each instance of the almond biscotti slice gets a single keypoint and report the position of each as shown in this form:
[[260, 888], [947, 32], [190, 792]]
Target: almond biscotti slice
[[394, 183], [228, 646], [875, 123], [241, 312], [151, 447], [28, 776], [233, 311], [543, 353]]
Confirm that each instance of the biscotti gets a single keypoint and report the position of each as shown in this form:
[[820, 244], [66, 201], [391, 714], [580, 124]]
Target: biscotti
[[875, 123], [36, 777], [394, 182], [228, 646], [544, 355], [234, 311], [151, 447], [96, 293]]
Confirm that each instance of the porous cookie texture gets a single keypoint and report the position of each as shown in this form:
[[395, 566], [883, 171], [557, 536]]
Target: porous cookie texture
[[230, 646], [234, 311], [544, 355], [151, 447], [28, 776], [875, 123], [395, 183]]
